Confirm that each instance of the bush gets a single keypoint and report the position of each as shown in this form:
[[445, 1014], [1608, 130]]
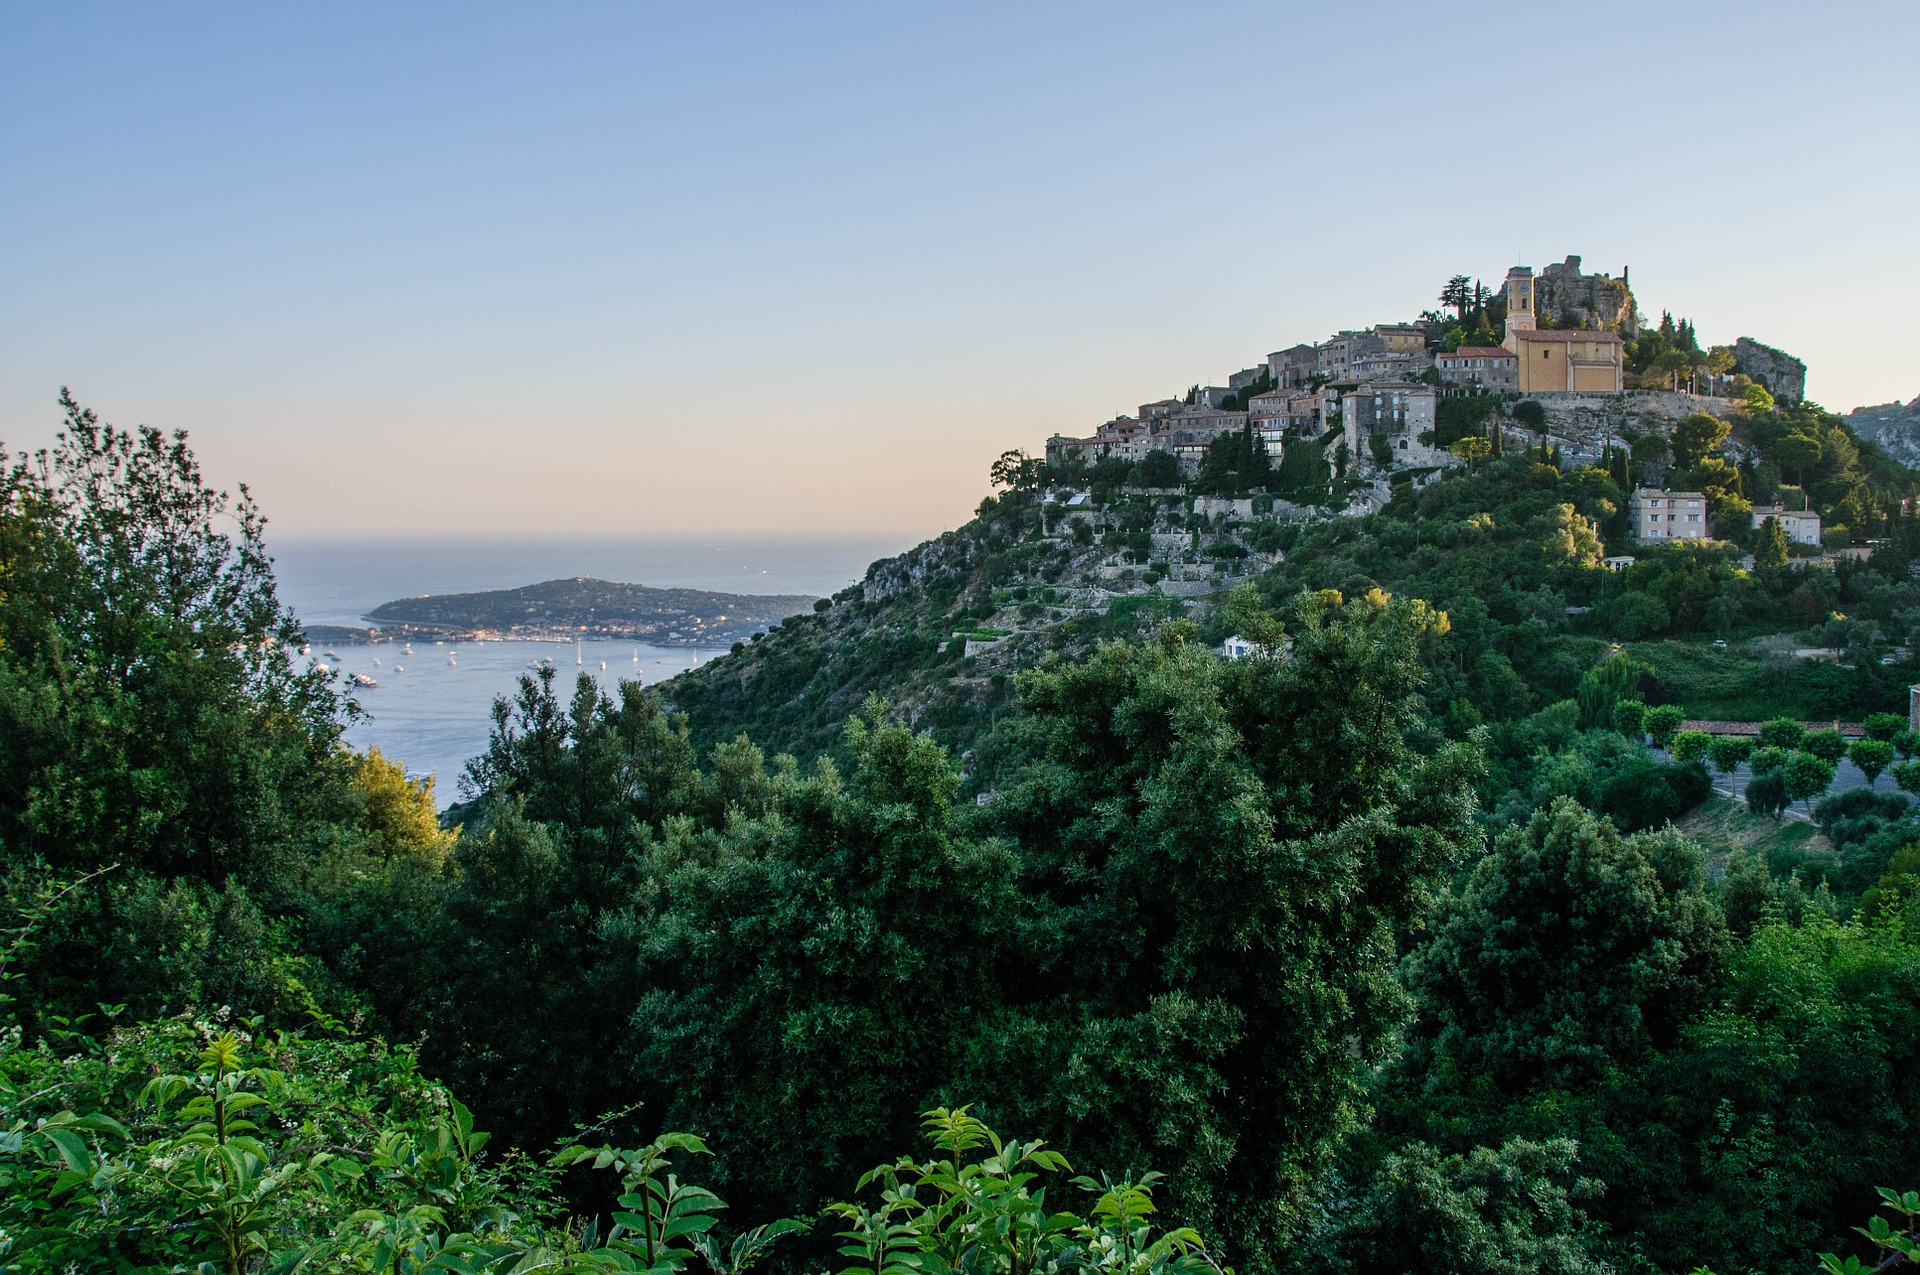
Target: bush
[[1767, 793], [1782, 732], [1645, 794], [1828, 745]]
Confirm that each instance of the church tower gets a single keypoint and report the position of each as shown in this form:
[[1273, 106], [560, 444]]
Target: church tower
[[1518, 291]]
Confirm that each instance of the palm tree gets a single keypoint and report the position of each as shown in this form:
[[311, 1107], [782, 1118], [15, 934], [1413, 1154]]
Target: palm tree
[[1457, 294]]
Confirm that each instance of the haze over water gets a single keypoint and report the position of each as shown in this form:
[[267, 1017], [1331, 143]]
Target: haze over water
[[431, 709]]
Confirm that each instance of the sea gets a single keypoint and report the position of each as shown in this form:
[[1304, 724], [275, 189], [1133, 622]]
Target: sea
[[431, 709]]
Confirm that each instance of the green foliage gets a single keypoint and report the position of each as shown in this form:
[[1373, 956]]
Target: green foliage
[[1663, 723], [1872, 756], [1828, 744], [1493, 1210], [1782, 732], [1571, 949], [1689, 746], [1728, 751], [1883, 726], [1603, 688]]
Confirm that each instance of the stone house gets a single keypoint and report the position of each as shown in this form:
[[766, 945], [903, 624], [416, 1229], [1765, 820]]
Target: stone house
[[1391, 365], [1656, 514], [1400, 338], [1401, 411], [1336, 353], [1211, 396], [1801, 525], [1292, 366], [1479, 367]]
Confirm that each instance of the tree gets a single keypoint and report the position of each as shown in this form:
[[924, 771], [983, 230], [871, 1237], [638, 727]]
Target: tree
[[1457, 292], [1571, 950], [1771, 550], [1806, 776], [1883, 726], [1696, 437], [1828, 744], [1906, 743], [1781, 732], [1663, 723], [1872, 756], [1017, 472], [1471, 449], [1906, 776], [1649, 452], [1796, 452], [1156, 469], [1602, 693], [1758, 401], [1630, 718], [1727, 752], [1689, 746]]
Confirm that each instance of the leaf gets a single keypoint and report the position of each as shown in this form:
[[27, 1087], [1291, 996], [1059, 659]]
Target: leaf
[[73, 1150]]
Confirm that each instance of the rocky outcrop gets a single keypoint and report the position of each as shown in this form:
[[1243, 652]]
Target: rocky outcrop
[[1784, 376], [1563, 297], [1895, 427]]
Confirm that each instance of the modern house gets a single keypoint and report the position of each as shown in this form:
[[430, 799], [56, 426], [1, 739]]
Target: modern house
[[1801, 525], [1659, 515]]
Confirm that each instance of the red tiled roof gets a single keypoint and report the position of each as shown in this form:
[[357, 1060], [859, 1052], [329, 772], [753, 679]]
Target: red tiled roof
[[1853, 729], [1570, 334], [1482, 352]]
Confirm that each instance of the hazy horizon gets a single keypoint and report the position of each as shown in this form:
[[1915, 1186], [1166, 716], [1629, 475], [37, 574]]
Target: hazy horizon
[[639, 270]]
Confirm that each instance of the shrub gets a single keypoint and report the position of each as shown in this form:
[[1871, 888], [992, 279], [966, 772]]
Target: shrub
[[1663, 723]]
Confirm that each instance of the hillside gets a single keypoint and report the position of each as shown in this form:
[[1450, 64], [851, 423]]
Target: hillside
[[1512, 552], [1895, 427], [590, 608]]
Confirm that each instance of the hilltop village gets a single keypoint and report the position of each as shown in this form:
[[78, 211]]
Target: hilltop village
[[1366, 409]]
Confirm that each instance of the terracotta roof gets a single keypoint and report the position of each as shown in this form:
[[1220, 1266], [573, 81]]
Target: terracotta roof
[[1570, 334], [1852, 729], [1480, 352]]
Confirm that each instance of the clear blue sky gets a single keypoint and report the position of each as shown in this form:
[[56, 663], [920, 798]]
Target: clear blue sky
[[632, 267]]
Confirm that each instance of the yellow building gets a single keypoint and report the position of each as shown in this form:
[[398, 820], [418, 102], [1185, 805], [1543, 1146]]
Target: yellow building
[[1566, 360]]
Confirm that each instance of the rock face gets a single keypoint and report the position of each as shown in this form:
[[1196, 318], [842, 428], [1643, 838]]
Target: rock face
[[1894, 426], [1784, 376], [1562, 296]]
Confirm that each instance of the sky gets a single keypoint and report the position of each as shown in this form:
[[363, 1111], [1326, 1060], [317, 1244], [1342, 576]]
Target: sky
[[806, 269]]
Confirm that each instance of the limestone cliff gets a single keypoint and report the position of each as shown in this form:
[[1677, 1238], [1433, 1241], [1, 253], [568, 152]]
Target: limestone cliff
[[1784, 376], [1894, 426], [1565, 297]]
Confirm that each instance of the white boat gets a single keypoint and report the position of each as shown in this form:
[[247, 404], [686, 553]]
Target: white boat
[[332, 655], [576, 652], [399, 668], [407, 650], [603, 666], [453, 660], [361, 679], [376, 661]]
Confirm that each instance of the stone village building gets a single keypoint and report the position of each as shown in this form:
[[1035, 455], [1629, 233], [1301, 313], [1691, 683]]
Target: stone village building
[[1566, 360]]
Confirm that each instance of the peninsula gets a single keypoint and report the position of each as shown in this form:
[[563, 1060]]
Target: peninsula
[[584, 607]]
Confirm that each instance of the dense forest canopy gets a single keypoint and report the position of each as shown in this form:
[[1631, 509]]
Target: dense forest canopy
[[1380, 943]]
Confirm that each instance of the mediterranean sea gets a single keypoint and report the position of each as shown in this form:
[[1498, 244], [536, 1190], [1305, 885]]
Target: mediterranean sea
[[430, 710]]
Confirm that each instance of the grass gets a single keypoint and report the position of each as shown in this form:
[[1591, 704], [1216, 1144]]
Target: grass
[[1723, 825], [1728, 684]]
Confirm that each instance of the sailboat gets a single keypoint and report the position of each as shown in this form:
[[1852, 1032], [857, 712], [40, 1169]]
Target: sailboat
[[576, 652]]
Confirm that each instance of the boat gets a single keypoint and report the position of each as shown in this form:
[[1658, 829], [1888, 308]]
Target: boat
[[376, 661], [361, 679], [576, 652], [407, 650], [453, 658], [603, 666], [399, 668], [332, 655]]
